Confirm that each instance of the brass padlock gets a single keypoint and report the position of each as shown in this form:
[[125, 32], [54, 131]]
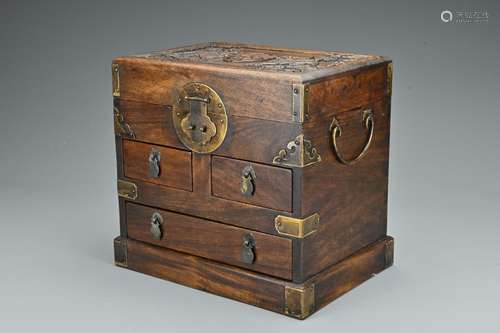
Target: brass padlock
[[248, 177], [247, 249], [156, 226]]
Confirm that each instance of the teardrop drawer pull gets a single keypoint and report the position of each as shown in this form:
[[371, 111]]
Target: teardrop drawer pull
[[154, 163], [156, 226], [248, 181], [247, 249]]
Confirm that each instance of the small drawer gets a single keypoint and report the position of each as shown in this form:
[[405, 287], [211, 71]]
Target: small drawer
[[157, 164], [253, 183], [252, 250]]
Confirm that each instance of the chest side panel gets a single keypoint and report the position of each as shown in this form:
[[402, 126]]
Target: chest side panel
[[351, 198]]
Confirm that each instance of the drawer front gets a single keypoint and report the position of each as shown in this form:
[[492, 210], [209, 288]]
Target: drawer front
[[252, 183], [270, 255], [157, 164]]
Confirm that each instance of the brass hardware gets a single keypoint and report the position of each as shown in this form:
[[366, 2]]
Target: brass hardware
[[294, 227], [299, 301], [154, 163], [247, 249], [389, 78], [155, 227], [300, 105], [115, 70], [120, 247], [121, 126], [200, 118], [248, 181], [389, 252], [127, 190], [298, 153], [336, 131]]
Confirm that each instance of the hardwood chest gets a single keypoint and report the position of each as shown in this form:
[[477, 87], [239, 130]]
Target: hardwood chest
[[253, 172]]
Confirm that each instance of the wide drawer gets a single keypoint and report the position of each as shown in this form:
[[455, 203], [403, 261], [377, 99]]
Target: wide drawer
[[272, 255], [253, 183], [157, 164]]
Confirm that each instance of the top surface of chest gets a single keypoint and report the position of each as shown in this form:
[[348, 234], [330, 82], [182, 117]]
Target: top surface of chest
[[262, 58]]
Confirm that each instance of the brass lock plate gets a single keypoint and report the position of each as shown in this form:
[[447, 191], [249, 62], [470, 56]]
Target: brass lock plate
[[200, 118]]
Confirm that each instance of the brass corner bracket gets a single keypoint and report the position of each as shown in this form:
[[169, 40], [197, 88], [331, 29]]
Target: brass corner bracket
[[389, 78], [300, 103], [127, 190], [121, 255], [294, 227], [299, 301], [389, 252], [122, 128], [115, 72], [298, 153]]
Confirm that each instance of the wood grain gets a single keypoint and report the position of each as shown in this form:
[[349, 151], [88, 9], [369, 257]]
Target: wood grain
[[255, 95], [273, 185], [216, 241], [351, 272], [351, 199], [191, 203], [206, 275], [175, 165], [247, 286], [153, 124]]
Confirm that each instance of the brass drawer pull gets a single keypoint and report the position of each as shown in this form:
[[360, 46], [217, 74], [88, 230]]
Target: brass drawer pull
[[248, 181], [336, 131], [154, 163], [247, 249], [156, 226]]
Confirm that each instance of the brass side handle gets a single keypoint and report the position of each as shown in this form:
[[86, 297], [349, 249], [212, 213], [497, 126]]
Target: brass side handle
[[154, 163], [155, 226], [248, 177], [336, 131], [247, 249]]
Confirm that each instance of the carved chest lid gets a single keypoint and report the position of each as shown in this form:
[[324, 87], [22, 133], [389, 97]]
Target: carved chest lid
[[265, 58]]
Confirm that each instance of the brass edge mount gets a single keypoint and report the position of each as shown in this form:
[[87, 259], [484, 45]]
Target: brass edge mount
[[115, 72], [389, 252], [299, 152], [300, 105], [121, 126], [127, 189], [299, 300], [121, 255], [294, 227], [389, 78]]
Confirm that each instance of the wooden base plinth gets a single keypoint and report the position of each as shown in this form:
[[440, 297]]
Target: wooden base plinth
[[295, 300]]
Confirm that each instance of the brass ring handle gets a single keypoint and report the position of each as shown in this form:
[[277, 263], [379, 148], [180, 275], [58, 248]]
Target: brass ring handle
[[336, 131]]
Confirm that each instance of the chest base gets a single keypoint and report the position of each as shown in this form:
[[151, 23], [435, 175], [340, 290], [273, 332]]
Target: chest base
[[294, 300]]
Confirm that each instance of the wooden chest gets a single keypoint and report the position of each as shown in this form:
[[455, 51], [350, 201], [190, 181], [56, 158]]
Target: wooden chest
[[253, 172]]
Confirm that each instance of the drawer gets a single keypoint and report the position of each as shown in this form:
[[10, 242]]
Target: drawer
[[272, 255], [173, 166], [266, 186]]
